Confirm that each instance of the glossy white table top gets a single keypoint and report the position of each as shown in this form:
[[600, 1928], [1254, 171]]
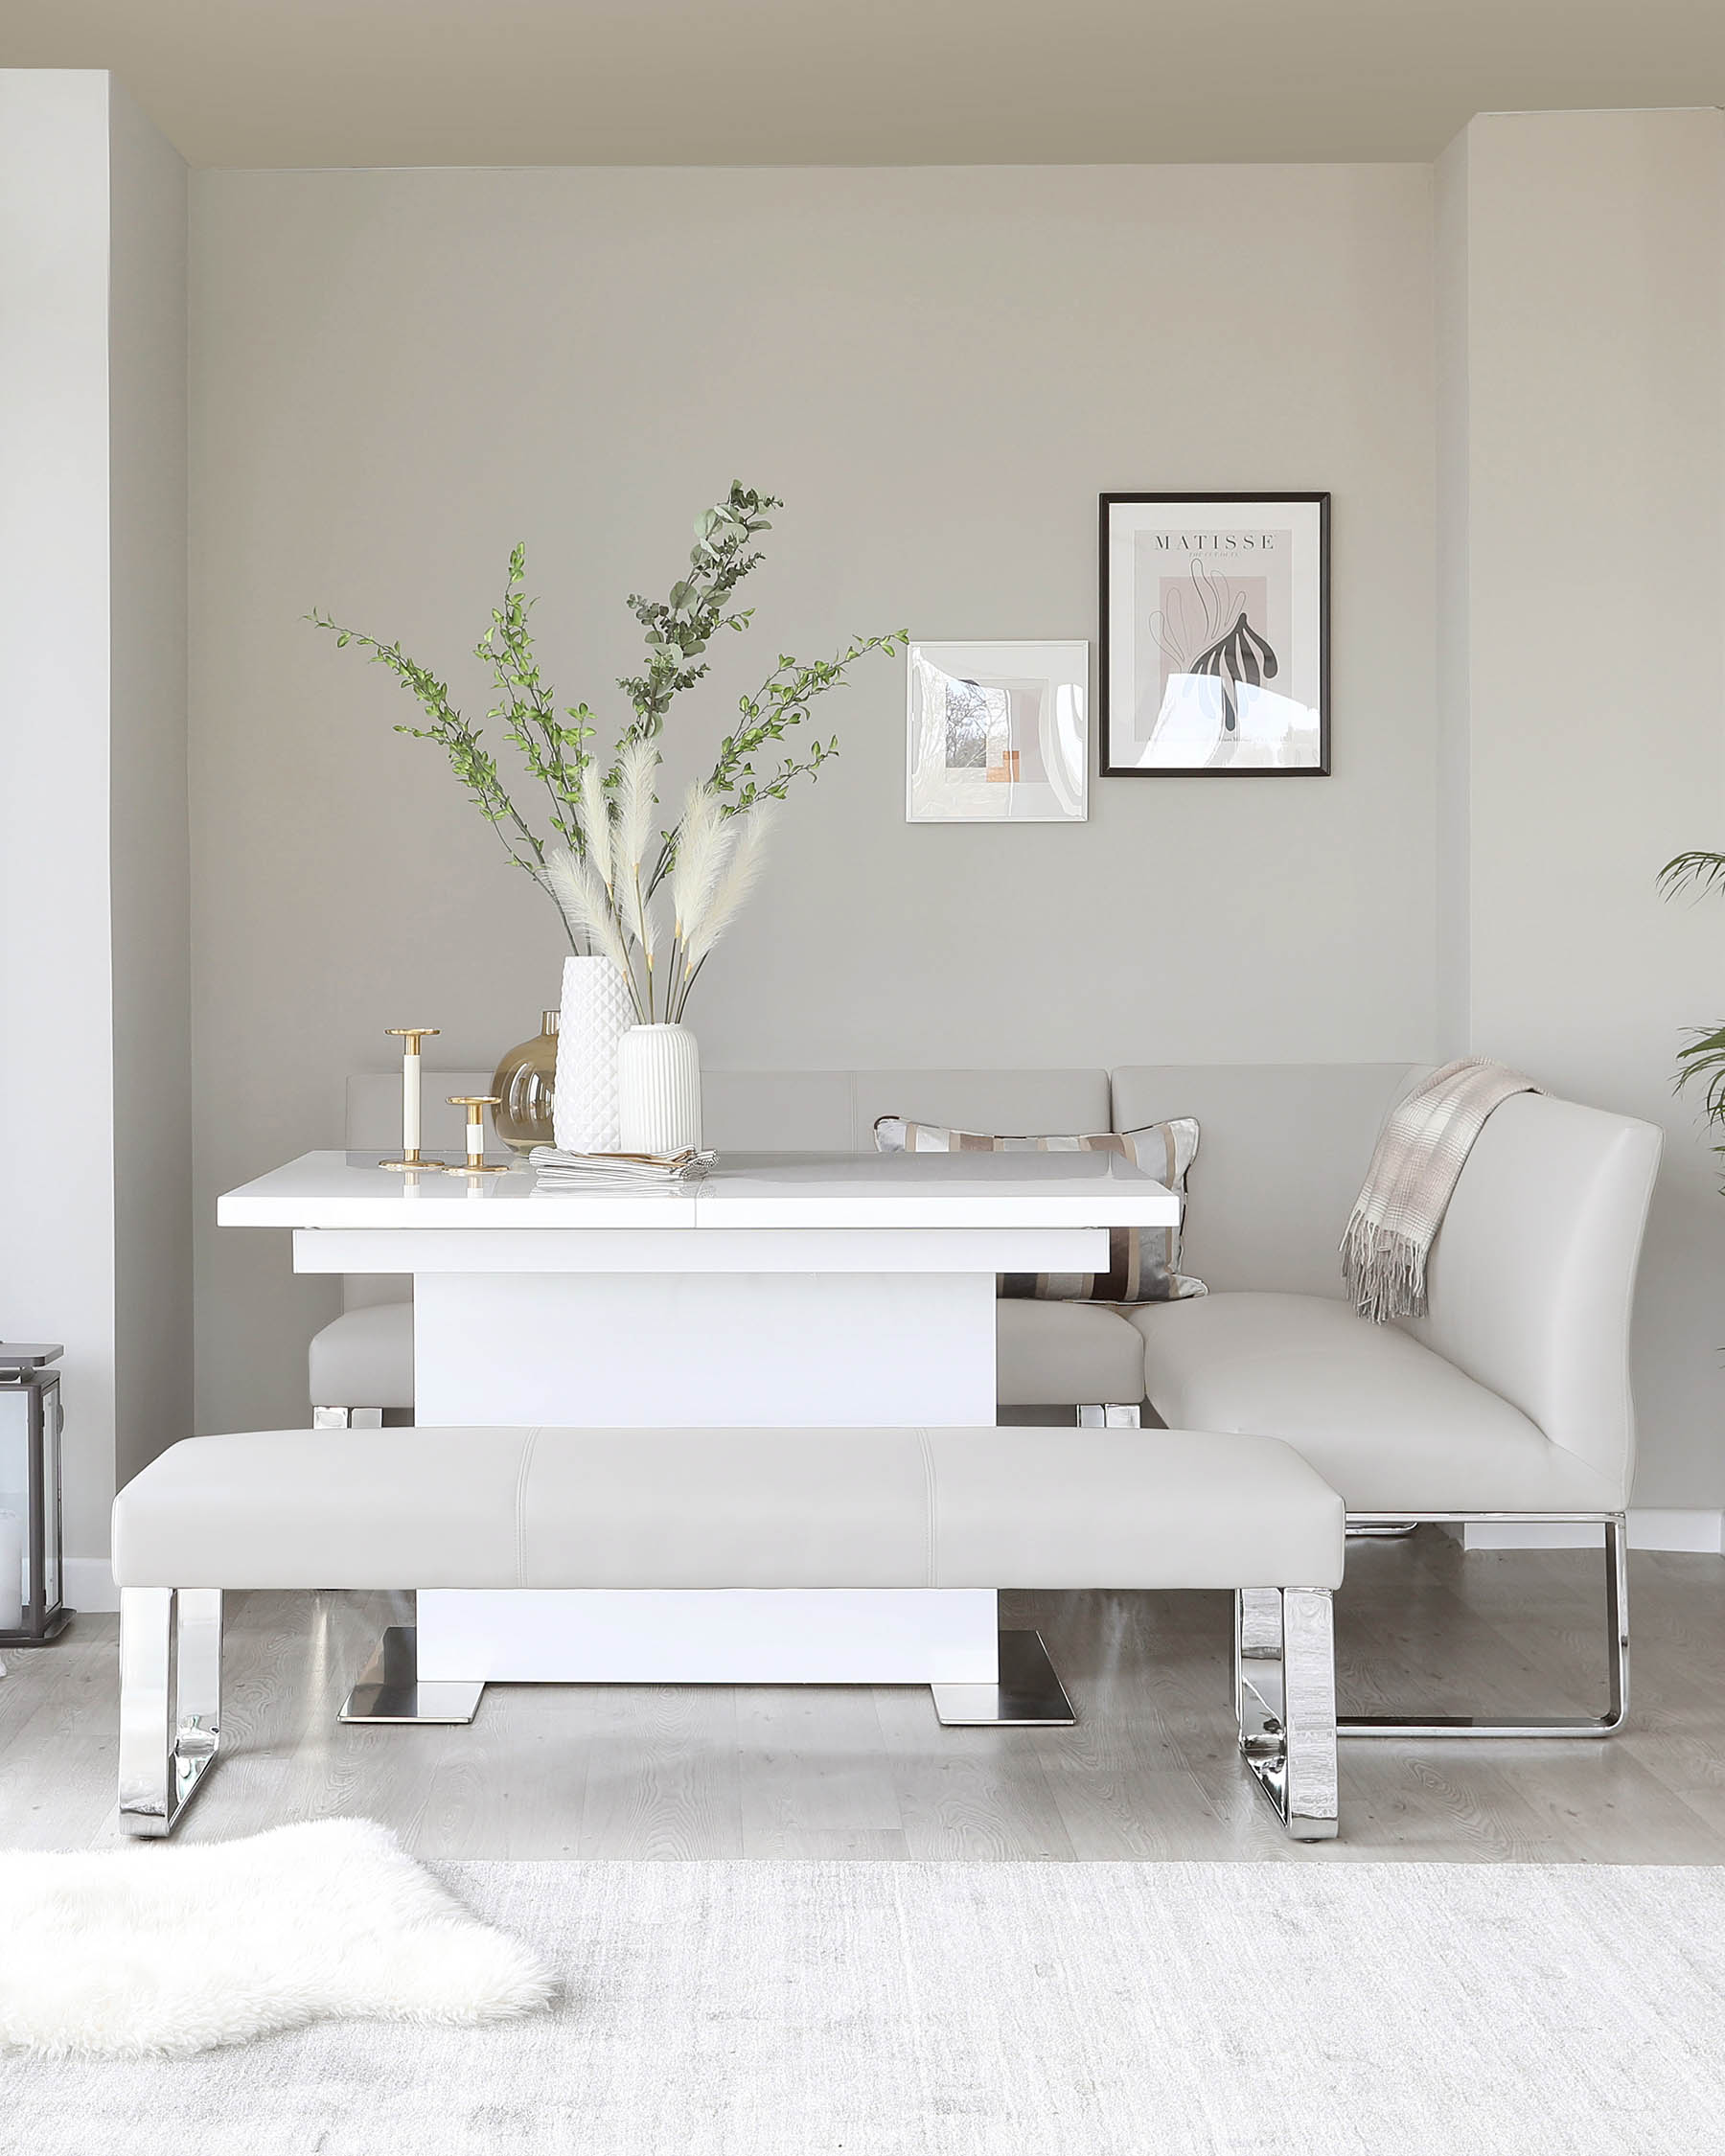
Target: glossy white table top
[[744, 1190]]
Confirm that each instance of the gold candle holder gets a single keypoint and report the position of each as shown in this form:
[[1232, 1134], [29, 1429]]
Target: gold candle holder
[[477, 1105], [410, 1037]]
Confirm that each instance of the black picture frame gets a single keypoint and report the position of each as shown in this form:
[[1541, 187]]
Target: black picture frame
[[1108, 766]]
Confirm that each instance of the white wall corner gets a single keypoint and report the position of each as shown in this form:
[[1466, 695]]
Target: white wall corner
[[56, 1258], [1581, 427]]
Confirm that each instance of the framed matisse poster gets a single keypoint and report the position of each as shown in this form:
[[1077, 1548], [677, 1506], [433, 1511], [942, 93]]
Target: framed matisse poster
[[1215, 635], [997, 733]]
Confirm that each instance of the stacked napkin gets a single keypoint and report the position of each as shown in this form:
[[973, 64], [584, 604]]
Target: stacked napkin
[[618, 1171]]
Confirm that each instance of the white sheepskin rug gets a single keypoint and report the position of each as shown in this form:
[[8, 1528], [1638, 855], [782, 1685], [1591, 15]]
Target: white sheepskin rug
[[157, 1950]]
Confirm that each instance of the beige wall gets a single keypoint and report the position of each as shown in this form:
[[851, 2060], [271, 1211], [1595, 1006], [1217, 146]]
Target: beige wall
[[148, 845], [396, 374], [95, 1223], [1584, 397]]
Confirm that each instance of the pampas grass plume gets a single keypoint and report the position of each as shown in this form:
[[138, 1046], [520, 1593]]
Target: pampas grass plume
[[703, 847], [582, 899], [595, 823], [741, 874]]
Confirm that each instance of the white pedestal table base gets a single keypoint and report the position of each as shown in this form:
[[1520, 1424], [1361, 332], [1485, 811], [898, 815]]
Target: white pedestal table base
[[716, 1350]]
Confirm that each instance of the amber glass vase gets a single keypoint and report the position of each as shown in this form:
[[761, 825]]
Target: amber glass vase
[[525, 1086]]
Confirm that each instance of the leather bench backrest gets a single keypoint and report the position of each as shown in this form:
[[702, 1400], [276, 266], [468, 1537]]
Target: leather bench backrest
[[1282, 1151], [1531, 1280]]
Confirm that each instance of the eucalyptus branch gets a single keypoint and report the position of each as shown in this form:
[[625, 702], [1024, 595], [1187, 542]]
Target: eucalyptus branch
[[780, 704], [554, 753], [472, 763], [680, 626], [598, 865]]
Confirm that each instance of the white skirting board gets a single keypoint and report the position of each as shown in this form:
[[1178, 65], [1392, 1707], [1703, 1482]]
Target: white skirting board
[[90, 1584], [1701, 1533]]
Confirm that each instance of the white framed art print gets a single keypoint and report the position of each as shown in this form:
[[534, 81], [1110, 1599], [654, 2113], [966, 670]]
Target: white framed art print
[[998, 733]]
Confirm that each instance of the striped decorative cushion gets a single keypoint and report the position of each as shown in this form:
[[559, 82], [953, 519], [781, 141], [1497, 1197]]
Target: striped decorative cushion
[[1142, 1262]]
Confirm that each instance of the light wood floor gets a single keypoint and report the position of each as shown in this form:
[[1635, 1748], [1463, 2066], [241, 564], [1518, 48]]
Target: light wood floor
[[1148, 1771]]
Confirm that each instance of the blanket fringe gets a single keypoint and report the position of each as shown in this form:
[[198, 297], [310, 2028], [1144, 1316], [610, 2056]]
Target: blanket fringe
[[1384, 1271]]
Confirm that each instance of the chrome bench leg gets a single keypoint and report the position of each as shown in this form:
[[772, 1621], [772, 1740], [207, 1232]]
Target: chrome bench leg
[[170, 1701], [1617, 1624], [1111, 1414], [347, 1418], [1285, 1703]]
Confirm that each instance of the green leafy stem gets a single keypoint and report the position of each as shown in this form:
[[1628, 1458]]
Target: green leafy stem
[[555, 746]]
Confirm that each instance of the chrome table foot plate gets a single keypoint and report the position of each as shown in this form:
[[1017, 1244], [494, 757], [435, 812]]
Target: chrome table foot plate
[[1027, 1695], [1285, 1700], [390, 1689], [170, 1701]]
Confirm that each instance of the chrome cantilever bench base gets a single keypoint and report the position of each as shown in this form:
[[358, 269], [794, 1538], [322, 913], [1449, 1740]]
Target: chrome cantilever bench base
[[170, 1701], [1285, 1703], [1617, 1619]]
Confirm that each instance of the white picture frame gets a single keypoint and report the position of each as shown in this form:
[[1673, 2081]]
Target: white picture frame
[[998, 732]]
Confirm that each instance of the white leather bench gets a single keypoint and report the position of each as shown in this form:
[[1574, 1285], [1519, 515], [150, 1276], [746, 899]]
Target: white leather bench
[[735, 1509]]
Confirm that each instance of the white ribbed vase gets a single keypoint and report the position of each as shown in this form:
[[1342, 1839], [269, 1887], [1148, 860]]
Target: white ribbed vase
[[597, 1010], [659, 1088]]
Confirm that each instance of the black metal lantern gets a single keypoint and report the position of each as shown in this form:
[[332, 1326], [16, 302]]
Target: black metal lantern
[[31, 1570]]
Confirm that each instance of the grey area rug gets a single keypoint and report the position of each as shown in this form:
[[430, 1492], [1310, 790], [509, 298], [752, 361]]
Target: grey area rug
[[941, 2010]]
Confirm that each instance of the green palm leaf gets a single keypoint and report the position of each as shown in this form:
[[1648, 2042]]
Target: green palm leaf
[[1701, 873], [1702, 1059]]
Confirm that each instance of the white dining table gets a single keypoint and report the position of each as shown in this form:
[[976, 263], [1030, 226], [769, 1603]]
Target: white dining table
[[816, 1291]]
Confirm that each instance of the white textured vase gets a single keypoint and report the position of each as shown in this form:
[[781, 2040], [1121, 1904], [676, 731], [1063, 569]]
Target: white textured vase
[[596, 1013], [659, 1088]]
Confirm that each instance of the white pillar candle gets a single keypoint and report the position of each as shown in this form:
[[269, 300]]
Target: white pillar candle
[[11, 1572], [411, 1100]]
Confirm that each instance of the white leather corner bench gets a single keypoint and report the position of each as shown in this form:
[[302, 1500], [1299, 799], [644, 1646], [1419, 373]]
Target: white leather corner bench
[[1508, 1400], [537, 1509]]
